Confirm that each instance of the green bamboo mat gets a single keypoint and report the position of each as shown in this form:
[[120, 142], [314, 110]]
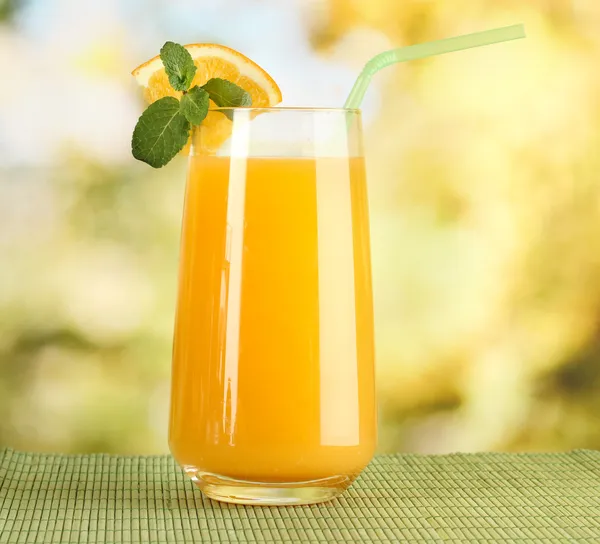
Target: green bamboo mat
[[399, 498]]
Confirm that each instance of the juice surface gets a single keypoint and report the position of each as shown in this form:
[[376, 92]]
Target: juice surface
[[273, 374]]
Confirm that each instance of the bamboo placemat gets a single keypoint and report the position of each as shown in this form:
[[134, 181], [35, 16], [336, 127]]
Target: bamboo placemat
[[488, 497]]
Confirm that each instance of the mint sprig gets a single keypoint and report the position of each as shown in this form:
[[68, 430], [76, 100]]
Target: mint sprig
[[164, 128], [179, 65]]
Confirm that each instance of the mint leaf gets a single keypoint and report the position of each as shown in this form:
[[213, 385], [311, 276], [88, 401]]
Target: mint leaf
[[179, 65], [194, 105], [226, 94], [160, 133]]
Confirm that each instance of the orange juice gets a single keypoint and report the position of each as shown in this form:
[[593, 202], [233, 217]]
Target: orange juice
[[273, 373]]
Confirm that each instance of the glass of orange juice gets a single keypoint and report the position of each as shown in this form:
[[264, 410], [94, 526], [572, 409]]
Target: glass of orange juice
[[273, 394]]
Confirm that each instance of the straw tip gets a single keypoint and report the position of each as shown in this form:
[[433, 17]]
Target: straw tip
[[520, 30]]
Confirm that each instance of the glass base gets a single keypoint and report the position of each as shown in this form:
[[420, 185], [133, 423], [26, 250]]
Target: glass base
[[224, 489]]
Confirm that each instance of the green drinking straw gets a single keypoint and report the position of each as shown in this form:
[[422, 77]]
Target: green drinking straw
[[429, 49]]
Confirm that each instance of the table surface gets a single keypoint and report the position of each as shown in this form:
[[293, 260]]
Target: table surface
[[490, 497]]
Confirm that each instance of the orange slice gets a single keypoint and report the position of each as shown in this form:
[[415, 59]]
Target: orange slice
[[211, 61]]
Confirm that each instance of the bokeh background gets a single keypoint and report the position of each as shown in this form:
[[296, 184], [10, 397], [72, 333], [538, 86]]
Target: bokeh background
[[484, 171]]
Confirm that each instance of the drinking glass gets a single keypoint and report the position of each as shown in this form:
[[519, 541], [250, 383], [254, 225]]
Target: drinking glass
[[273, 394]]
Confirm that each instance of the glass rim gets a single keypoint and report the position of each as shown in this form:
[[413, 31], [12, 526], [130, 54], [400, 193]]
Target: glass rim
[[299, 109]]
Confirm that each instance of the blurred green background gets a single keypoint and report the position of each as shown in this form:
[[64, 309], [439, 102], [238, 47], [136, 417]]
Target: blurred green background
[[483, 175]]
